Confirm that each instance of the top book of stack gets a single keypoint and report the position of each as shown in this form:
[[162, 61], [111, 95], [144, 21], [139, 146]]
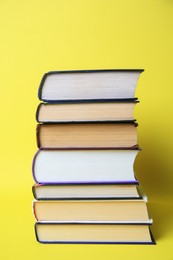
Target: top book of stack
[[89, 85]]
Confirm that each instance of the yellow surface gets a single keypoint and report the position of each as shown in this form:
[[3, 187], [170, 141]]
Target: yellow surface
[[39, 36]]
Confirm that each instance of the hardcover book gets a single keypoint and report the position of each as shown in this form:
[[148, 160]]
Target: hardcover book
[[84, 166], [93, 233], [91, 210], [88, 85], [87, 135], [84, 191], [85, 112]]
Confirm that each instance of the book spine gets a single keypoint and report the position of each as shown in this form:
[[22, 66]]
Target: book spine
[[34, 211], [34, 192], [38, 112], [36, 234], [38, 135], [41, 86], [33, 165]]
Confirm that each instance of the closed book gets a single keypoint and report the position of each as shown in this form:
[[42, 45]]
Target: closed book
[[85, 191], [87, 135], [84, 166], [85, 111], [91, 210], [93, 233], [88, 85]]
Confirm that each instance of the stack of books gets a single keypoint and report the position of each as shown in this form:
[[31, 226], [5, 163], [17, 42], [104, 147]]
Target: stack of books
[[86, 190]]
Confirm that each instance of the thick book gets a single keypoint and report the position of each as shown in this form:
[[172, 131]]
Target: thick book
[[84, 166], [89, 85], [91, 210], [85, 191], [87, 135], [93, 233], [85, 111]]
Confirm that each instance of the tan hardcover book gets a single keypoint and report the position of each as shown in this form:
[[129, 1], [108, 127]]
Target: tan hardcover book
[[79, 191], [93, 233], [90, 111], [91, 210], [87, 135]]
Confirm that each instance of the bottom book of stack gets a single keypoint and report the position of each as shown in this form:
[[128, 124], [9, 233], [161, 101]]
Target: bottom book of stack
[[93, 233], [105, 221]]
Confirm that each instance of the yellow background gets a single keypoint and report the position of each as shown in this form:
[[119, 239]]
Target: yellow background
[[39, 36]]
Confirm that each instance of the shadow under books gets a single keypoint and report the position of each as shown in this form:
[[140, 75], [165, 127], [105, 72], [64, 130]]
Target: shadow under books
[[156, 182]]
